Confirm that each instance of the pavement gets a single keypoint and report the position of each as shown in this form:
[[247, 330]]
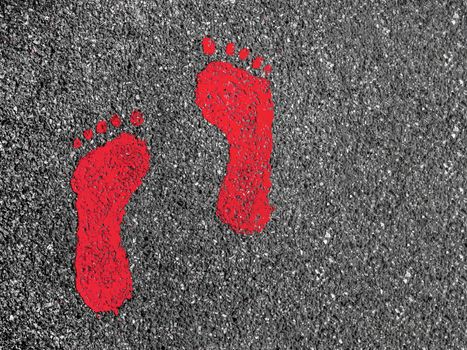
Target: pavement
[[367, 246]]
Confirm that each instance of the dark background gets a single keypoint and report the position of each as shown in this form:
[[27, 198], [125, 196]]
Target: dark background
[[367, 246]]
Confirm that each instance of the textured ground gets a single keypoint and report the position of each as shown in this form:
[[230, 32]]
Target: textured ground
[[367, 246]]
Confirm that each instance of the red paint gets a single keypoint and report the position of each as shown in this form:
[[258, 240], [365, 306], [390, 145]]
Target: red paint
[[230, 49], [209, 46], [243, 54], [257, 62], [267, 69], [136, 117], [101, 127], [240, 105], [77, 143], [115, 120], [104, 182], [88, 134]]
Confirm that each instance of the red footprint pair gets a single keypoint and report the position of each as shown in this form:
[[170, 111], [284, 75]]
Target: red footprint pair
[[233, 99]]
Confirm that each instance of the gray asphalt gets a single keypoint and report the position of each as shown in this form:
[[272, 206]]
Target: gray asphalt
[[367, 246]]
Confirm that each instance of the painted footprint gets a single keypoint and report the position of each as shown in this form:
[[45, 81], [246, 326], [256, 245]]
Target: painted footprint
[[240, 105], [104, 180]]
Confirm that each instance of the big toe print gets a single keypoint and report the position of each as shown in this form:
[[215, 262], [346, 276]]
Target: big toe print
[[104, 181], [240, 105]]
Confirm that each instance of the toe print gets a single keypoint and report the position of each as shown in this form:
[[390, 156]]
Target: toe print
[[104, 181], [240, 104]]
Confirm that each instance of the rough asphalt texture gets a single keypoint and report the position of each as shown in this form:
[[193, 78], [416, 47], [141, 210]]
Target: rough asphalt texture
[[367, 246]]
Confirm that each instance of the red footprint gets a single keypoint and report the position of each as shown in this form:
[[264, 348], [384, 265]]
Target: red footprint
[[240, 105], [104, 181]]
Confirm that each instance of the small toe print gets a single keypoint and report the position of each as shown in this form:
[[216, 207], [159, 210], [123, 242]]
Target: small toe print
[[230, 49], [243, 54], [77, 143], [136, 118], [257, 62], [267, 69], [88, 134], [101, 127], [209, 46], [115, 121]]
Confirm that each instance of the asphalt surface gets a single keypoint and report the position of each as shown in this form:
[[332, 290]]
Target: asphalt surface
[[367, 246]]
